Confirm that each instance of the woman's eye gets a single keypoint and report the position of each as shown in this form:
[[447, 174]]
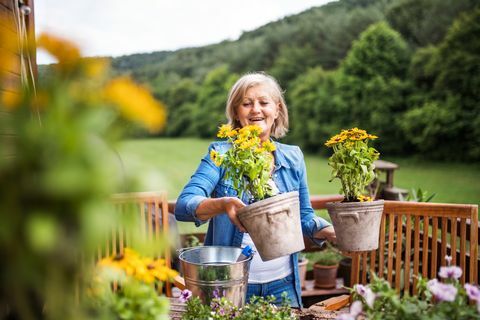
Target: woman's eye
[[263, 103], [246, 104]]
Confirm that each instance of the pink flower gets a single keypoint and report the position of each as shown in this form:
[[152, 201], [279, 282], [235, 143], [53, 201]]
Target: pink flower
[[185, 296], [442, 291], [448, 259], [452, 272]]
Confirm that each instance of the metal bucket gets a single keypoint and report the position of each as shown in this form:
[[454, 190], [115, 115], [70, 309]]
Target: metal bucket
[[213, 271]]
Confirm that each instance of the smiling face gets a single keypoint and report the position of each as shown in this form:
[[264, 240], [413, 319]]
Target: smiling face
[[258, 107]]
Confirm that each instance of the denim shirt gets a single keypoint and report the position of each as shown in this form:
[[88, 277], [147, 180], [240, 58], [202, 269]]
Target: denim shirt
[[289, 175]]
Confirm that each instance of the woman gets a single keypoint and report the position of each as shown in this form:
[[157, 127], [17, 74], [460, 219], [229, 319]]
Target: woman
[[255, 99]]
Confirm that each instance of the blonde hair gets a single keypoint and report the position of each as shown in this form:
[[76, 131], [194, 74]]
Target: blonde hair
[[237, 93]]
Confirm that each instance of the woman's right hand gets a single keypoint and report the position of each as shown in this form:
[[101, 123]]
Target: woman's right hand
[[213, 206], [231, 206]]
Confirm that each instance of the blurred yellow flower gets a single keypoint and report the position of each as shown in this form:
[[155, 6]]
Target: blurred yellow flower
[[65, 51], [136, 103], [144, 269], [363, 198]]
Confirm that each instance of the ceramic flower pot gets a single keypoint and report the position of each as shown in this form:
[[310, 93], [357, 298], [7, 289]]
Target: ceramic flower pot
[[325, 276], [356, 224], [274, 225]]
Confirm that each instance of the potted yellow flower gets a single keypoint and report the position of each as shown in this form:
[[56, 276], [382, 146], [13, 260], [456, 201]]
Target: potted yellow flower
[[269, 215], [356, 219]]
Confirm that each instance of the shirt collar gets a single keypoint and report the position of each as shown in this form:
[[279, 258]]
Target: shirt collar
[[280, 159]]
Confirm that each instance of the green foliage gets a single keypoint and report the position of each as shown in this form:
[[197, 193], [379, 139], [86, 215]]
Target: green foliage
[[418, 195], [329, 256], [313, 108], [133, 300], [372, 84], [56, 180], [258, 308], [212, 98], [445, 107]]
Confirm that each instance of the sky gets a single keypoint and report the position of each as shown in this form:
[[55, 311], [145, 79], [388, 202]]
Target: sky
[[120, 27]]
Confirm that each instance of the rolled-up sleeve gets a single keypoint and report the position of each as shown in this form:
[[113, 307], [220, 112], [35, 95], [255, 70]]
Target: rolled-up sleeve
[[200, 187], [311, 224]]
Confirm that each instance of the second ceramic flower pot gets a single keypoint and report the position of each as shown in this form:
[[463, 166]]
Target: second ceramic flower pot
[[356, 224]]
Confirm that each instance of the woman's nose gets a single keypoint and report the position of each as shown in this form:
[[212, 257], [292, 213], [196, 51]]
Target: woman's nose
[[256, 107]]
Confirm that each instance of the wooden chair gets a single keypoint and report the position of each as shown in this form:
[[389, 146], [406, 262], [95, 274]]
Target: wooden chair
[[414, 240], [152, 211]]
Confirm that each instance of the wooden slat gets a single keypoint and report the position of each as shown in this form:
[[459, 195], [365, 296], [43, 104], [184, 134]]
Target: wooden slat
[[398, 253], [381, 247], [433, 270], [408, 246], [354, 275], [463, 246], [373, 255], [443, 249], [473, 247], [7, 4], [416, 252], [453, 241], [6, 19], [425, 247], [391, 230], [428, 209], [364, 267]]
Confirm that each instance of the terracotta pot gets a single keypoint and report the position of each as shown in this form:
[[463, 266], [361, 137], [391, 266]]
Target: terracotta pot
[[325, 276], [356, 224], [274, 225], [302, 271]]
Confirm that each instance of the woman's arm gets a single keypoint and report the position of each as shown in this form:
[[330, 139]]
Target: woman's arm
[[212, 207], [194, 203], [312, 226]]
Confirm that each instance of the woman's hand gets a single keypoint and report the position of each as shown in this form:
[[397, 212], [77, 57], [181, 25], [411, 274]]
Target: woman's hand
[[327, 233], [232, 205], [213, 206]]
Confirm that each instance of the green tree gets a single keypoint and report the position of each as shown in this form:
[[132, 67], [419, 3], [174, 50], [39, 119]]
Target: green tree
[[373, 84], [445, 120], [314, 109], [212, 98]]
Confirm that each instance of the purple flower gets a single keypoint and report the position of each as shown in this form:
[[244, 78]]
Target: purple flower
[[448, 259], [442, 291], [473, 292], [216, 293], [451, 272], [367, 294], [185, 296]]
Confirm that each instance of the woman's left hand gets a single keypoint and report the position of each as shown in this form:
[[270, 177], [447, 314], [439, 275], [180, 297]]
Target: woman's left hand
[[327, 233]]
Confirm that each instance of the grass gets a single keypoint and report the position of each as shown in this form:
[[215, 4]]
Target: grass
[[167, 164]]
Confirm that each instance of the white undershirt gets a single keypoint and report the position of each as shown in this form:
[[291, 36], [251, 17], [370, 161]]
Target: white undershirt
[[266, 271]]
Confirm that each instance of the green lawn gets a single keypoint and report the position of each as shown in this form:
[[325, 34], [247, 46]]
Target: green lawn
[[167, 164]]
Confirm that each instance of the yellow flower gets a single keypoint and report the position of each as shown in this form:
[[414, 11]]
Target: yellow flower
[[363, 198], [65, 51], [224, 131], [269, 146], [216, 158], [136, 103]]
